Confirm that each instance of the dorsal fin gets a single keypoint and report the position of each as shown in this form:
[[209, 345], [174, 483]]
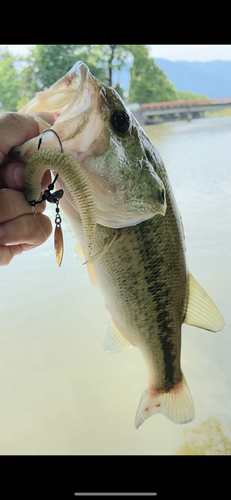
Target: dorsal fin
[[201, 310]]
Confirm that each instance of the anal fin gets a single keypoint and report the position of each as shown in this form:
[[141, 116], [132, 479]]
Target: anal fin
[[115, 341], [201, 310]]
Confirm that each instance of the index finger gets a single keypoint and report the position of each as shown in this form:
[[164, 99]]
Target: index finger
[[14, 204]]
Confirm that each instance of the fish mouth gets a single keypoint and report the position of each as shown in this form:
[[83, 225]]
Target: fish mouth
[[63, 96], [74, 102]]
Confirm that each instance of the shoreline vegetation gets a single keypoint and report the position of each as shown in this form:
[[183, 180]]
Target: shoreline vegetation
[[218, 113]]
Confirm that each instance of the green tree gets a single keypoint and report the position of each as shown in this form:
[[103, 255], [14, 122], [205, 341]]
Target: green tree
[[148, 83], [9, 82], [119, 90], [45, 64], [187, 94], [111, 57]]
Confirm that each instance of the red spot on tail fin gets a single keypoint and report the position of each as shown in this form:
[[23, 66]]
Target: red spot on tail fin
[[158, 405]]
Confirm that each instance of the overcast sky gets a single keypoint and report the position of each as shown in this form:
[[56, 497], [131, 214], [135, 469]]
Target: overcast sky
[[191, 52], [171, 52]]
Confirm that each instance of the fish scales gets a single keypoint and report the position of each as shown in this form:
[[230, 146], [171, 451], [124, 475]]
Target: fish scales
[[141, 267]]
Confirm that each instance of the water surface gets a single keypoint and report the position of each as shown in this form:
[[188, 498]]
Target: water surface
[[60, 392]]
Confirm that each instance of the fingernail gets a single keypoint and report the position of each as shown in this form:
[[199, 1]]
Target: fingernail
[[19, 175], [2, 231]]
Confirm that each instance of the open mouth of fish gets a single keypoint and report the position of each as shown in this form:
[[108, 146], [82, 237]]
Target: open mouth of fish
[[126, 191]]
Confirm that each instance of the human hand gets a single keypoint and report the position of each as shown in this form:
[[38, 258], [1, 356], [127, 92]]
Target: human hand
[[19, 229]]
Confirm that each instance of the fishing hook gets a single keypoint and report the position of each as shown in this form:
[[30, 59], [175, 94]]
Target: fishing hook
[[50, 130]]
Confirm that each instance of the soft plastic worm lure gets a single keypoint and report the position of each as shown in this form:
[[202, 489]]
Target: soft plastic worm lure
[[75, 180]]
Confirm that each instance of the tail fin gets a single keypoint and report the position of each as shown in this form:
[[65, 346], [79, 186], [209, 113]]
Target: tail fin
[[176, 404]]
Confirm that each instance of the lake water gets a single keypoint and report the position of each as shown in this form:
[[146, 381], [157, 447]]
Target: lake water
[[60, 392]]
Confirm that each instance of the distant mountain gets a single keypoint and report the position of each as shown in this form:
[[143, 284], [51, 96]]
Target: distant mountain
[[212, 78]]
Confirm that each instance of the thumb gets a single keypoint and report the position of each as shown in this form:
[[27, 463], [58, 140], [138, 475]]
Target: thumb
[[44, 120]]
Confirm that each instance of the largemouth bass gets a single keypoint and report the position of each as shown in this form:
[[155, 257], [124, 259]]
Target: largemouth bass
[[142, 275]]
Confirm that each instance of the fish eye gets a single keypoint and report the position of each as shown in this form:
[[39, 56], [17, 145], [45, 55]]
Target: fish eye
[[120, 121]]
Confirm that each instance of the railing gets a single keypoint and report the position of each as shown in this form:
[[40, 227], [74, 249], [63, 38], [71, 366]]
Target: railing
[[186, 103]]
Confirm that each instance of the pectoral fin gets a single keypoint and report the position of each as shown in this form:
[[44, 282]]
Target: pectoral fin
[[82, 256], [114, 340], [201, 310], [106, 247], [78, 250]]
